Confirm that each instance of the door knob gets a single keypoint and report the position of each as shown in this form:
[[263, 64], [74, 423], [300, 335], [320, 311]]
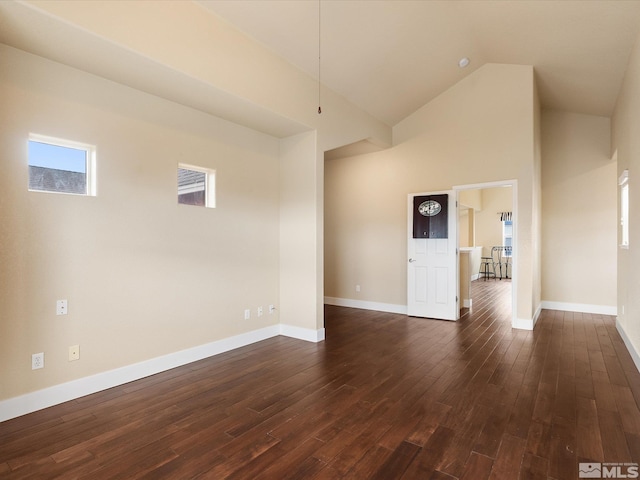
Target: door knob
[[411, 260]]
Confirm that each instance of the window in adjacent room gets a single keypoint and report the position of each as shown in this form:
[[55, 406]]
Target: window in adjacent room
[[624, 209], [507, 236], [507, 232], [61, 166], [196, 186]]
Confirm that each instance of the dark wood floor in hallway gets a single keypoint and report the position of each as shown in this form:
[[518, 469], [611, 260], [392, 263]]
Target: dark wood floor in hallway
[[385, 396]]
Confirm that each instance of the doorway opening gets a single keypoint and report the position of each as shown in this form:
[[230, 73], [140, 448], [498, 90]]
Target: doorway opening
[[487, 239]]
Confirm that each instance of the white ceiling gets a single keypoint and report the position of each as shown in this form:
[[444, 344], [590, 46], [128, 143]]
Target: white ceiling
[[391, 57]]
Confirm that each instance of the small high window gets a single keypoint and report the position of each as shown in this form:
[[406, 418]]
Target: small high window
[[61, 166], [196, 186]]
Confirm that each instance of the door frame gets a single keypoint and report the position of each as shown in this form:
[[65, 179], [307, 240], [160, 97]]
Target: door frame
[[514, 254]]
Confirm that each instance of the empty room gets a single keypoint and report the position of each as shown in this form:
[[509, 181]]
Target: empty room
[[319, 239]]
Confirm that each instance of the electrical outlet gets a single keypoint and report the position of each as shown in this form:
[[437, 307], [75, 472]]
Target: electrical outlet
[[260, 311], [357, 288], [247, 314], [37, 361], [74, 353], [61, 307], [272, 309]]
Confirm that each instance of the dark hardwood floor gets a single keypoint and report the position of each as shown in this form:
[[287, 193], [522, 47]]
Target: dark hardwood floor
[[384, 397]]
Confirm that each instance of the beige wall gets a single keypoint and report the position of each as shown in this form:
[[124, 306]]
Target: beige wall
[[626, 142], [488, 224], [214, 68], [469, 201], [578, 210], [465, 227], [471, 198], [143, 275], [480, 130], [298, 230], [536, 222], [202, 49]]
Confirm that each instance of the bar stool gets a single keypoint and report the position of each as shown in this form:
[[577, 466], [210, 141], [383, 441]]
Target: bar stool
[[505, 260], [500, 257], [487, 267]]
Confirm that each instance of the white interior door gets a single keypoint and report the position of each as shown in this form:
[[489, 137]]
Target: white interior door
[[433, 258]]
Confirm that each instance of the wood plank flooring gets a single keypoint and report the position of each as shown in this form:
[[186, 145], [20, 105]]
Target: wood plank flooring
[[384, 397]]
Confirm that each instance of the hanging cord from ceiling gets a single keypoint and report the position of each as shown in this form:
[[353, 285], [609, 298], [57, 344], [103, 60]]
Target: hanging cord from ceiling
[[319, 54]]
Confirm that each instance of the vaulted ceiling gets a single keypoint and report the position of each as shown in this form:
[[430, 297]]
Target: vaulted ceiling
[[391, 57], [387, 57]]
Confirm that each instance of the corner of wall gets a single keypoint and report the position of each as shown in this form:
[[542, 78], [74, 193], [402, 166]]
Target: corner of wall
[[633, 351], [306, 334]]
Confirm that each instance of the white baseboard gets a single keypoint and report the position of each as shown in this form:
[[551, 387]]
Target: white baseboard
[[467, 302], [580, 307], [379, 307], [402, 309], [47, 397], [523, 323], [302, 333], [635, 356], [537, 315], [31, 402]]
